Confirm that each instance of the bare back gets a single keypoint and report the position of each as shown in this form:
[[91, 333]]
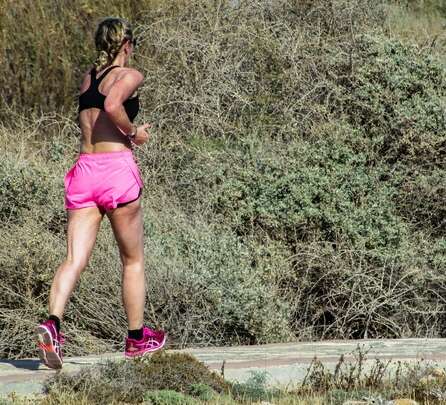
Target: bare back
[[98, 132]]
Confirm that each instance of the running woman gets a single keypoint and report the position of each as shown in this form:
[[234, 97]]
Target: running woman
[[105, 180]]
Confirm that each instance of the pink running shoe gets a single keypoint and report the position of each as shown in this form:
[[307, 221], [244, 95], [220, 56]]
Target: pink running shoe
[[50, 344], [151, 341]]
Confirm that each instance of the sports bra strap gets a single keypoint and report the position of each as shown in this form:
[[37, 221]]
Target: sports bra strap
[[98, 80]]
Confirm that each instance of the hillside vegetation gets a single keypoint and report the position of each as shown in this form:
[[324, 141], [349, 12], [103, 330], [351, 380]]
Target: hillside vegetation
[[294, 183]]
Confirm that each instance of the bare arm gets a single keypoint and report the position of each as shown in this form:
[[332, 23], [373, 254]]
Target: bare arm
[[121, 90]]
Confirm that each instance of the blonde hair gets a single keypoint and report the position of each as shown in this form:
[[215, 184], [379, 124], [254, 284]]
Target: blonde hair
[[109, 37]]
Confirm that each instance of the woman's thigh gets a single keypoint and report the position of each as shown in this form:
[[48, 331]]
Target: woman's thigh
[[127, 225], [83, 227]]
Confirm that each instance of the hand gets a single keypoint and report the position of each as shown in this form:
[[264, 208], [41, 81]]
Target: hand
[[142, 135]]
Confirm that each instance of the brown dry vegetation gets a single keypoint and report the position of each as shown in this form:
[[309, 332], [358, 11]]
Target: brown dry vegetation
[[294, 183], [178, 378]]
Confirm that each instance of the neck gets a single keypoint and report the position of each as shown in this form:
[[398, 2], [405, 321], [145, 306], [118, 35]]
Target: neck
[[120, 60]]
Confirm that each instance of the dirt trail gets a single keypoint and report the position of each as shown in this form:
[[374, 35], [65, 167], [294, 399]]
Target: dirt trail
[[285, 363]]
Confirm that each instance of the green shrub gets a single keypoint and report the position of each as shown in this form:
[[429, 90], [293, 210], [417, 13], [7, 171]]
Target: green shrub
[[375, 382], [168, 397], [135, 381], [426, 5], [339, 396], [420, 200], [255, 388], [321, 190], [295, 169], [22, 186], [209, 288], [202, 391], [395, 93]]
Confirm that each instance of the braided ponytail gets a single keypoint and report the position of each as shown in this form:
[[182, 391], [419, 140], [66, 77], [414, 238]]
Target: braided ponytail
[[109, 36]]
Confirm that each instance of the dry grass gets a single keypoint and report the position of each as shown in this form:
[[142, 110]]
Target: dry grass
[[419, 23], [181, 379], [295, 169]]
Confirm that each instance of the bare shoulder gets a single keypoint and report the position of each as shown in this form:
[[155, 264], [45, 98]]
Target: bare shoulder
[[131, 74], [86, 79]]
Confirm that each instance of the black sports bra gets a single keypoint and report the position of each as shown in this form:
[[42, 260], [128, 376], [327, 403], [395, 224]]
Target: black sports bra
[[92, 97]]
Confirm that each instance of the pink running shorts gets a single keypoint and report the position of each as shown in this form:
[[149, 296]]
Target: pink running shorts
[[102, 180]]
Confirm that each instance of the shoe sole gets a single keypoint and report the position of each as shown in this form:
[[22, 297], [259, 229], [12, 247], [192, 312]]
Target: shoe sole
[[47, 352], [148, 352]]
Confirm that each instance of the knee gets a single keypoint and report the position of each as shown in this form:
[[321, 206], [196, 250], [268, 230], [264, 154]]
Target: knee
[[133, 266], [75, 266]]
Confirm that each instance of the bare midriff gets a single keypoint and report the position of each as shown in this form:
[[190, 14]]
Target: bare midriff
[[99, 134]]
